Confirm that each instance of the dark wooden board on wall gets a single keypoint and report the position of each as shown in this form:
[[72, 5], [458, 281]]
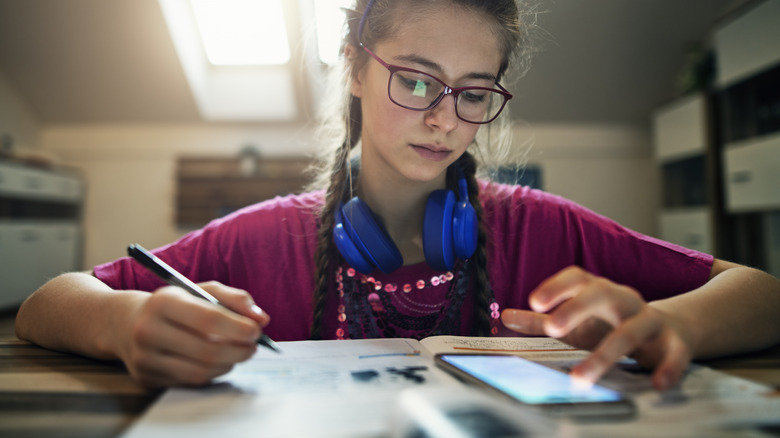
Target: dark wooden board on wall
[[209, 187]]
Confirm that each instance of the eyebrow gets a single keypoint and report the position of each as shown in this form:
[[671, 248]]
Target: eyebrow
[[424, 62]]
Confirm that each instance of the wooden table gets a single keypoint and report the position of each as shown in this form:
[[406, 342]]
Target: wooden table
[[48, 394], [44, 393]]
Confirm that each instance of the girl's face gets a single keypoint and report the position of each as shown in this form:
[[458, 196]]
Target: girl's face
[[452, 44]]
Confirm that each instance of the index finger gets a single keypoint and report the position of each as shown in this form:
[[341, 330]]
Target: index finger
[[208, 320], [622, 341], [558, 288]]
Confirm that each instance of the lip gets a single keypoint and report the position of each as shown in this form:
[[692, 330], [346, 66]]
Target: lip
[[431, 152]]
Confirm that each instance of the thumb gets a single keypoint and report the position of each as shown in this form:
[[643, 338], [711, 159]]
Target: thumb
[[524, 321]]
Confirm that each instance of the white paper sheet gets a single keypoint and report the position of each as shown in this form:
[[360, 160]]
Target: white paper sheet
[[347, 389], [315, 388]]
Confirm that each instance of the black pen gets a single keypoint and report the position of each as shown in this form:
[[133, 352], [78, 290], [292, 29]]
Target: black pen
[[170, 276]]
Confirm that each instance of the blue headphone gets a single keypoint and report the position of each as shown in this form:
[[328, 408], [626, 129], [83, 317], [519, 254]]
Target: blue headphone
[[449, 232]]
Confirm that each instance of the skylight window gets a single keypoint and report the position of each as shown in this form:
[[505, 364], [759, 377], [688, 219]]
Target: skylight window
[[242, 32], [330, 21]]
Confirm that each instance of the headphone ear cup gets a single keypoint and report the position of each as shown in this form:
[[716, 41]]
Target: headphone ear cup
[[368, 236], [347, 246], [437, 230], [464, 229]]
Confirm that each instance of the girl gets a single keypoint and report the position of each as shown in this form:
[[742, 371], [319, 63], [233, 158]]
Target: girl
[[405, 241]]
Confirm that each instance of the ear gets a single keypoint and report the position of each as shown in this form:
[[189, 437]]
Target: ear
[[351, 58]]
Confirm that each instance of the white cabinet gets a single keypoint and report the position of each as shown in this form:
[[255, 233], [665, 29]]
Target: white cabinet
[[748, 57], [680, 128], [38, 184], [748, 44], [691, 228], [33, 252], [752, 175], [40, 229], [684, 151]]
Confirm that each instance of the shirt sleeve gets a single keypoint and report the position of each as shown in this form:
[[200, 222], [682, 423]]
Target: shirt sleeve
[[246, 249], [192, 256], [533, 235]]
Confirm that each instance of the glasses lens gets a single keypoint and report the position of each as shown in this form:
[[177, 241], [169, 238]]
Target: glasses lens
[[414, 90], [418, 91], [478, 105]]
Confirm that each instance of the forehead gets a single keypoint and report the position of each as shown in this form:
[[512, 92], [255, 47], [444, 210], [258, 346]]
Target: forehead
[[459, 40]]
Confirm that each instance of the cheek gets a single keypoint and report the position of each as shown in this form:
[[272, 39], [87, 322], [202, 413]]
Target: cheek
[[382, 115], [466, 134]]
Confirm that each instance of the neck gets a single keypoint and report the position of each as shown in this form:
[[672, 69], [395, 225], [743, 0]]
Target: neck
[[400, 206]]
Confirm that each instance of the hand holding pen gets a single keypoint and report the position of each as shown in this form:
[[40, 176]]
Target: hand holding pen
[[177, 340], [172, 277]]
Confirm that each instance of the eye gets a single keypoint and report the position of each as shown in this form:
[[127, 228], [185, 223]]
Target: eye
[[415, 84], [473, 96]]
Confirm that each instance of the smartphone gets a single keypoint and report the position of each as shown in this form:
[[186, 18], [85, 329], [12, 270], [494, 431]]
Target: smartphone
[[536, 385]]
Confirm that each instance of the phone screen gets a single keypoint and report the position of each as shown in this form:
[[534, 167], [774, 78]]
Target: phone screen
[[529, 382]]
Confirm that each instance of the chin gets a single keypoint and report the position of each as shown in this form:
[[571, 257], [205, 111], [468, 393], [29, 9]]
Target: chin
[[428, 174]]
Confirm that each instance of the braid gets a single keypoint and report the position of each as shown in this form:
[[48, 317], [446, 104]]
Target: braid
[[477, 262], [326, 255]]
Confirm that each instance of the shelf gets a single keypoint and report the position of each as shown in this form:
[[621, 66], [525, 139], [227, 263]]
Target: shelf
[[29, 183]]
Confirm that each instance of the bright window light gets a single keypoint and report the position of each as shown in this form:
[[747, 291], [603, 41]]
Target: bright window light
[[242, 32], [330, 22]]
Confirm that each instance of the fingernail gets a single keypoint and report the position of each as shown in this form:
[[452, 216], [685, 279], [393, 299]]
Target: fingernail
[[263, 317], [581, 376], [580, 382], [514, 327]]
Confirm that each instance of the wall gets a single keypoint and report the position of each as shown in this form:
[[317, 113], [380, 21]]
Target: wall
[[17, 118], [607, 168], [130, 172]]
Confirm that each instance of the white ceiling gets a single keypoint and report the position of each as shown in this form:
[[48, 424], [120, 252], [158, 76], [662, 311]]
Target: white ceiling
[[99, 61]]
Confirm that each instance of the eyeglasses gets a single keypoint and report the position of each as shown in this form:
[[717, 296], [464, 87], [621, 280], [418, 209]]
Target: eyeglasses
[[418, 91]]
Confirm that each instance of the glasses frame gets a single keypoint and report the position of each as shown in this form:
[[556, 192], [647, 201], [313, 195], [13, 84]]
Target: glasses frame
[[454, 91]]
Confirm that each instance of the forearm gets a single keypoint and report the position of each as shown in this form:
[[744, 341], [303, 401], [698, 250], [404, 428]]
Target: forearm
[[77, 313], [735, 311]]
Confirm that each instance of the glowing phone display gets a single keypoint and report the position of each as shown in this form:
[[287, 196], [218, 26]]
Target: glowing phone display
[[534, 384]]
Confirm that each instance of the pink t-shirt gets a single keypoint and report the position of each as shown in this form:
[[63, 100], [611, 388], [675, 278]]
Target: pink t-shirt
[[267, 249]]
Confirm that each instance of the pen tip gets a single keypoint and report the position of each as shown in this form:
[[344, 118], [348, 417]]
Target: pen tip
[[266, 341]]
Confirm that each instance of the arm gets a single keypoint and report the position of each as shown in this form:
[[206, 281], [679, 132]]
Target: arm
[[165, 338], [72, 313], [735, 311]]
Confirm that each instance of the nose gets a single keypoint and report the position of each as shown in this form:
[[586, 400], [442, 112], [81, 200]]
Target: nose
[[443, 115]]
